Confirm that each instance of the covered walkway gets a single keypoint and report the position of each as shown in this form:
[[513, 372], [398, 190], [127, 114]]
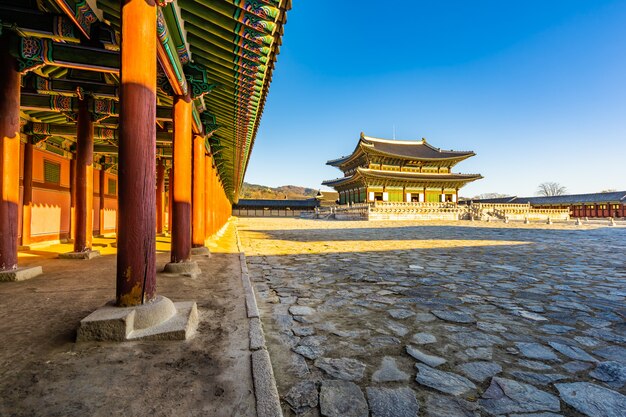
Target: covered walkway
[[43, 372]]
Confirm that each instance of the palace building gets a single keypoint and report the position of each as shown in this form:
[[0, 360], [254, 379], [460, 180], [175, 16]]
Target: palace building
[[399, 171]]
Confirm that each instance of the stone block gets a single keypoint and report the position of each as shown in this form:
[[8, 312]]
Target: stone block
[[20, 274], [186, 268], [201, 251], [88, 254], [161, 319]]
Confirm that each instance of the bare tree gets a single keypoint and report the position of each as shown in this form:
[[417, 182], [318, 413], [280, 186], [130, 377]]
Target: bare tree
[[489, 195], [550, 189]]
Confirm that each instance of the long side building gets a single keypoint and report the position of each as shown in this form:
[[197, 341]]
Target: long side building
[[609, 204], [400, 171]]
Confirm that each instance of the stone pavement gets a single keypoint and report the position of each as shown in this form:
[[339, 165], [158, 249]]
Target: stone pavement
[[44, 373], [443, 320]]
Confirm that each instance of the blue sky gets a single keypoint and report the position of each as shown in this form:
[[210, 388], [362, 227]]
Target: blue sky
[[536, 88]]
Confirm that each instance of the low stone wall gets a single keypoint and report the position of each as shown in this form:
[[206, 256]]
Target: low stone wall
[[442, 215], [540, 215]]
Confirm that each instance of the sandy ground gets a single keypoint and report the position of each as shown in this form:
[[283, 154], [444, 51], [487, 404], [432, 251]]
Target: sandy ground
[[44, 373]]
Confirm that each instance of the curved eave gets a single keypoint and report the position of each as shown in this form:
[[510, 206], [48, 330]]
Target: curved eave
[[340, 181], [370, 149], [417, 176]]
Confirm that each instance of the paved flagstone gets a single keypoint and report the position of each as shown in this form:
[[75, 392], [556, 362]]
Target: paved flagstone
[[466, 318]]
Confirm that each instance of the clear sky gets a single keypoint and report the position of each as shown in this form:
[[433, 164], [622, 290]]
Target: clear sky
[[536, 88]]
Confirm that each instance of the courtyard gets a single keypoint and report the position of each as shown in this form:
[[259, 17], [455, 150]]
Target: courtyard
[[441, 319]]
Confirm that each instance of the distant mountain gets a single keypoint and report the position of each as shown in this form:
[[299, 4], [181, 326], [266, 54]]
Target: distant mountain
[[289, 192]]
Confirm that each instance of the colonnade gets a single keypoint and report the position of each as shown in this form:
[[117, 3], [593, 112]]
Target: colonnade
[[199, 204]]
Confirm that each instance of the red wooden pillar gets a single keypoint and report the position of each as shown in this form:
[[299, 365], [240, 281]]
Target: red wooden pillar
[[84, 179], [9, 157], [170, 198], [27, 196], [101, 208], [197, 233], [160, 189], [73, 198], [208, 177], [136, 238], [181, 206]]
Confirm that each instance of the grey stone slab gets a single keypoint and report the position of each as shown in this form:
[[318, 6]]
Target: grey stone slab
[[389, 372], [297, 310], [430, 360], [536, 415], [454, 316], [611, 372], [446, 406], [592, 400], [607, 335], [342, 368], [424, 317], [316, 341], [555, 329], [490, 327], [424, 338], [485, 353], [507, 396], [382, 341], [529, 315], [301, 396], [587, 341], [397, 329], [614, 353], [446, 382], [309, 352], [576, 366], [480, 371], [342, 399], [303, 330], [298, 365], [392, 402], [475, 339], [538, 366], [536, 378], [536, 351], [572, 352], [400, 313]]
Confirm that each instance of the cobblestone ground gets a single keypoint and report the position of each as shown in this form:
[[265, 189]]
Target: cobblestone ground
[[446, 319]]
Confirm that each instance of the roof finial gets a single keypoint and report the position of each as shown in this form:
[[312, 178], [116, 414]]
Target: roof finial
[[423, 140]]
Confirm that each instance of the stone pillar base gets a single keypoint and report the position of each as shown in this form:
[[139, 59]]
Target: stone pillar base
[[160, 319], [88, 254], [188, 268], [20, 274], [201, 250], [164, 234]]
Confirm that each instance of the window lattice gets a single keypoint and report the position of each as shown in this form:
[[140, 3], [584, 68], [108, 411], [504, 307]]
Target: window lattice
[[112, 187], [51, 172]]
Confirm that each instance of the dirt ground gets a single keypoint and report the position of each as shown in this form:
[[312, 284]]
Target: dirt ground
[[44, 373]]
